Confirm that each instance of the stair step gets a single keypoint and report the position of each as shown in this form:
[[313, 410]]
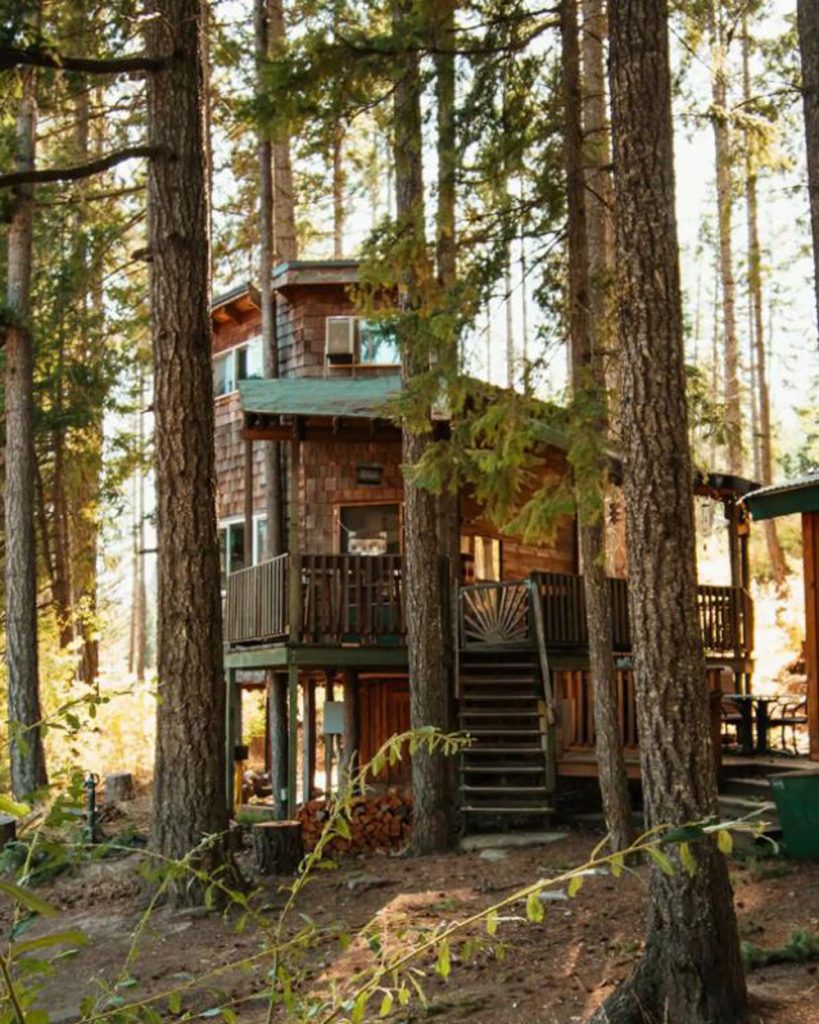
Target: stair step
[[491, 809], [521, 769], [498, 698], [504, 732], [504, 789], [500, 713], [480, 749]]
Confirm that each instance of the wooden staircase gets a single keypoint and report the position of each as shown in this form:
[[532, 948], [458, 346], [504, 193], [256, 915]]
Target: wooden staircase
[[505, 775]]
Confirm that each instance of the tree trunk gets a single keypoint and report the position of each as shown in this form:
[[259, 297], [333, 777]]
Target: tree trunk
[[775, 554], [691, 970], [267, 221], [339, 185], [599, 202], [722, 151], [286, 245], [589, 391], [432, 826], [28, 769], [808, 22], [189, 779], [445, 242]]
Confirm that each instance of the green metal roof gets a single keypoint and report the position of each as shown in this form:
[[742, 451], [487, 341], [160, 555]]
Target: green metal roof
[[363, 397], [800, 495]]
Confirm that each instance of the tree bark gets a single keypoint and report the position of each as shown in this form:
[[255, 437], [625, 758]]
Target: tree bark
[[807, 13], [339, 185], [599, 202], [588, 385], [691, 970], [445, 244], [776, 555], [432, 825], [267, 220], [28, 768], [189, 779], [725, 203], [284, 201]]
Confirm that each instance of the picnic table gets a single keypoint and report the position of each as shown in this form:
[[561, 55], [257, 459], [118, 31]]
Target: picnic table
[[755, 715]]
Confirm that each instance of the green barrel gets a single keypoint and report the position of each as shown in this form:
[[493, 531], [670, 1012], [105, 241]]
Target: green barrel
[[797, 801]]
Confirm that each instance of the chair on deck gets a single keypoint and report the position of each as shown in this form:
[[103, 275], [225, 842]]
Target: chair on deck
[[787, 714]]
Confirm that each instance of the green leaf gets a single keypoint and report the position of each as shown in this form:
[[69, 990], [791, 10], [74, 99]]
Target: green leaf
[[359, 1007], [660, 859], [725, 841], [343, 828], [688, 859], [386, 1005], [37, 1017], [228, 1015], [492, 922], [443, 966], [575, 885], [128, 982], [403, 995], [12, 807], [534, 908], [175, 1003], [75, 938], [617, 864], [26, 899]]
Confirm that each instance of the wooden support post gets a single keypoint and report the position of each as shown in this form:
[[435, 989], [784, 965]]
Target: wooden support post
[[248, 509], [293, 737], [309, 734], [330, 674], [295, 603], [350, 720], [279, 738], [230, 734], [810, 558]]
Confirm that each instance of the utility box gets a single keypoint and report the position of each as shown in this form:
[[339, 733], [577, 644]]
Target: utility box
[[797, 802], [334, 718]]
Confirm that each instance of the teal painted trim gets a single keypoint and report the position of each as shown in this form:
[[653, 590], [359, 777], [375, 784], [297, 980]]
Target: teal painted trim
[[785, 501], [292, 737], [309, 656], [230, 728]]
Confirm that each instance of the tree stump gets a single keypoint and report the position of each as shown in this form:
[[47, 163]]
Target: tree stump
[[119, 787], [8, 829], [279, 847]]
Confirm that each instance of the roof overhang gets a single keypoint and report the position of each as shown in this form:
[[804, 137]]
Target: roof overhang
[[801, 495]]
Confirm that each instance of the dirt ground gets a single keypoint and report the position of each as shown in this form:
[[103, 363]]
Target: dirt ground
[[554, 972]]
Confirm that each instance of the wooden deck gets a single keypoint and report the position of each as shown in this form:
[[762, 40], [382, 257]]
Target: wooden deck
[[358, 600]]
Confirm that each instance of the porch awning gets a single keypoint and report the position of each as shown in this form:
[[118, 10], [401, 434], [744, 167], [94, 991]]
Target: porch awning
[[800, 495], [348, 397]]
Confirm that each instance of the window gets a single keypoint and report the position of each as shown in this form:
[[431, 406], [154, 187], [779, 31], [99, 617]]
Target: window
[[224, 380], [232, 545], [377, 343], [245, 362], [481, 557], [370, 530], [250, 361]]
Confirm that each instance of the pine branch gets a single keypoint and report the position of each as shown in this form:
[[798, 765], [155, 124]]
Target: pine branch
[[78, 171], [31, 56]]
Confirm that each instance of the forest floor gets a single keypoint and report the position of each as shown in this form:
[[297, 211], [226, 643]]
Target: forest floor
[[554, 972]]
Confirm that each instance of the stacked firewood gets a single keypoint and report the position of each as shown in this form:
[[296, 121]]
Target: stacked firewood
[[378, 823]]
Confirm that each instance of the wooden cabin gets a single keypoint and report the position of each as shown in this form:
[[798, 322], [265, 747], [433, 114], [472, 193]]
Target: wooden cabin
[[328, 616]]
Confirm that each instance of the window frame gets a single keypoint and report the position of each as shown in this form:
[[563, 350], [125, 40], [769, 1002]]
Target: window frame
[[231, 356]]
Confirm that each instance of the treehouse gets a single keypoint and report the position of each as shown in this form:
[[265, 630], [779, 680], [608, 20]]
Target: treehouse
[[327, 617]]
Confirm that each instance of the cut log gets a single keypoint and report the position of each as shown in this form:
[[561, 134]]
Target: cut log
[[279, 847], [8, 829], [119, 787]]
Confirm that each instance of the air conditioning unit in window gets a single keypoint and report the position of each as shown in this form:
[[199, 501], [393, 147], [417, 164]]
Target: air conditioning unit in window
[[340, 340]]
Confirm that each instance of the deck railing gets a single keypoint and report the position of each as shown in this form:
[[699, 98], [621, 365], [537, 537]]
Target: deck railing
[[496, 613], [360, 599], [256, 604], [344, 599]]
